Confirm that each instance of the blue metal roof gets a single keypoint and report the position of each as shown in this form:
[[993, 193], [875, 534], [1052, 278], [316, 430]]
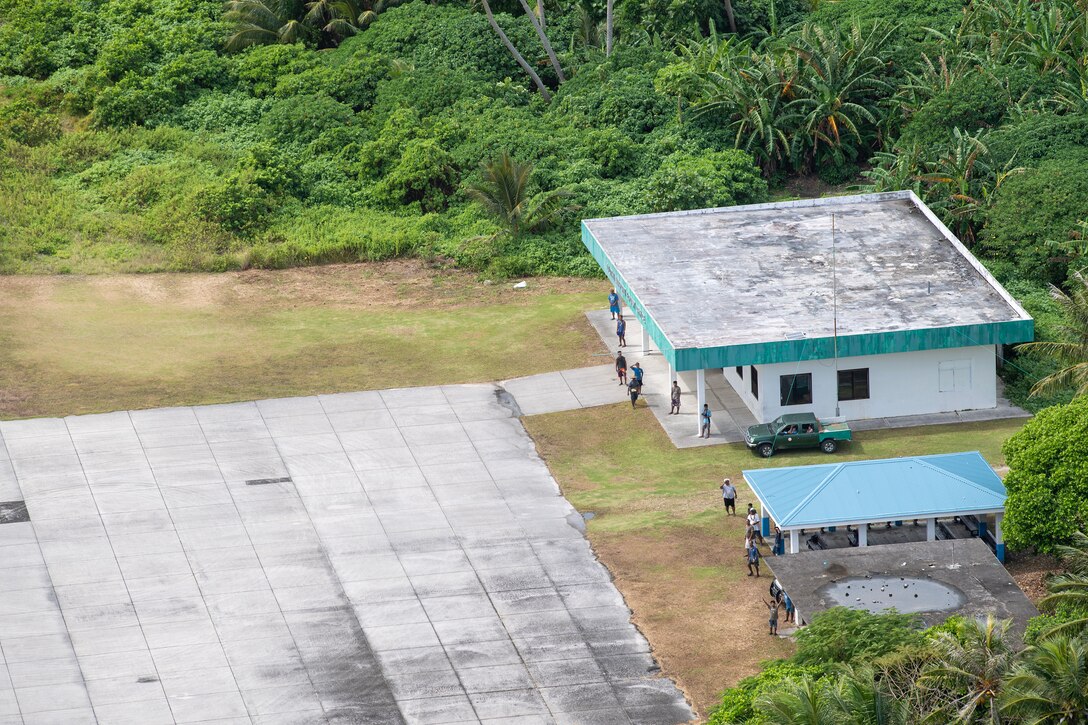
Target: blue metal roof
[[891, 489]]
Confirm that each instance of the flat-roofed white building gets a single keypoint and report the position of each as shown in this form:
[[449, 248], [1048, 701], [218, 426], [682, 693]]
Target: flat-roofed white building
[[889, 315]]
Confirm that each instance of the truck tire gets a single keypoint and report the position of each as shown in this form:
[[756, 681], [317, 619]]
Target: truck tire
[[766, 450], [828, 445]]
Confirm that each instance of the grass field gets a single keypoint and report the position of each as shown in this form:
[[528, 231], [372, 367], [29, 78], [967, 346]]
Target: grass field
[[73, 345], [660, 527]]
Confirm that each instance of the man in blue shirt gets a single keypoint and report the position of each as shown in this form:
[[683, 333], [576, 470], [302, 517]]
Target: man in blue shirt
[[704, 427], [753, 558], [636, 371], [613, 303], [621, 330]]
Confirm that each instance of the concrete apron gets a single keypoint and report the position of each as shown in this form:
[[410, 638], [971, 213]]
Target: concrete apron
[[730, 417]]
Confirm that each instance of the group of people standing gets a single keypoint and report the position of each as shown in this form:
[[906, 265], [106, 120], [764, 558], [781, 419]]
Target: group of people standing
[[752, 555], [635, 384]]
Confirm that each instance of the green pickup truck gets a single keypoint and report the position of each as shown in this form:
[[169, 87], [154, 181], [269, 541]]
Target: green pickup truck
[[796, 430]]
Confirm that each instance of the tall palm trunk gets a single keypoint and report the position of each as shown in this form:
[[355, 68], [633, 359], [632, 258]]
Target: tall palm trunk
[[538, 25], [514, 52], [608, 27], [540, 13], [730, 18]]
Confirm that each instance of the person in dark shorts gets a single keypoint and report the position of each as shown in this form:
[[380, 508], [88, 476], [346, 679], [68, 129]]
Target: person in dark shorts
[[621, 368], [772, 612], [621, 330], [753, 557], [675, 409], [704, 423], [613, 303], [729, 496], [634, 388]]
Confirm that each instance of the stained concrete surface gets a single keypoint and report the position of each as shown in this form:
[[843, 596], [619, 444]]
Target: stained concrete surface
[[405, 557], [966, 566], [742, 275]]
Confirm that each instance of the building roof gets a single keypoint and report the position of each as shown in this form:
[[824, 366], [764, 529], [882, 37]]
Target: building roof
[[965, 565], [753, 284], [893, 489]]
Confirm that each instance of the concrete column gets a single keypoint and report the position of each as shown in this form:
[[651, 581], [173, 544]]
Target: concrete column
[[765, 520], [795, 541], [645, 341], [931, 529], [863, 535], [999, 538], [700, 399]]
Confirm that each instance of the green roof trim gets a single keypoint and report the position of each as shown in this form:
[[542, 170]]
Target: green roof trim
[[786, 351]]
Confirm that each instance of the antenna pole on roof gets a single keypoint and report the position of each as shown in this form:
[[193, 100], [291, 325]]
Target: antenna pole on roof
[[835, 311]]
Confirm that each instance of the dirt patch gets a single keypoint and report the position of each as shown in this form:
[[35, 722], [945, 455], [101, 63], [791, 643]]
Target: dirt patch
[[690, 595], [1030, 572]]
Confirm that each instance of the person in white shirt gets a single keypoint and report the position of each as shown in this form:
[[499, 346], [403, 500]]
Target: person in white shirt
[[753, 521], [729, 496]]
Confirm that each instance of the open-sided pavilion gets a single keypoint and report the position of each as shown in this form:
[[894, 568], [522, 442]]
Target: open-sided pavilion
[[863, 493]]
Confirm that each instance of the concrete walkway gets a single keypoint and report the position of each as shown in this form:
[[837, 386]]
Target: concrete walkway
[[592, 386]]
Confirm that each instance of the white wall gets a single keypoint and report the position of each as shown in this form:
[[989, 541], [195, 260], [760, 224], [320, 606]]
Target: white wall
[[906, 383]]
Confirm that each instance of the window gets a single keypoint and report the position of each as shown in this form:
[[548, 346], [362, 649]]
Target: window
[[796, 389], [854, 384], [740, 372], [755, 382], [954, 376]]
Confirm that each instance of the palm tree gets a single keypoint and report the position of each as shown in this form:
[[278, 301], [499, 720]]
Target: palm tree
[[971, 668], [259, 22], [504, 194], [862, 700], [518, 57], [1051, 683], [835, 93], [338, 19], [1073, 355], [803, 701], [537, 22]]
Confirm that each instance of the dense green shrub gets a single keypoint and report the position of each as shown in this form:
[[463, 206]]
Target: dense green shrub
[[1047, 483], [849, 635], [723, 178], [737, 702], [1033, 209], [1039, 136]]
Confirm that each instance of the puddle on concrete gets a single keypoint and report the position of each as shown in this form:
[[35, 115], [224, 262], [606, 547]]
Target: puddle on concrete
[[905, 594]]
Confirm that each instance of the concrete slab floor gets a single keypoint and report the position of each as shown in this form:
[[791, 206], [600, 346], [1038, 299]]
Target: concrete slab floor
[[400, 556]]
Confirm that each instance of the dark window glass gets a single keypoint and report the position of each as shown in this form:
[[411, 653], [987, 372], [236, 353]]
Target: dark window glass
[[755, 382], [854, 384], [796, 389], [740, 372]]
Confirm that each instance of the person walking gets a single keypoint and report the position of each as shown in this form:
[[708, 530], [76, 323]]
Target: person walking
[[790, 617], [704, 425], [621, 330], [675, 409], [772, 612], [729, 496], [634, 389], [613, 303], [747, 538], [753, 558], [621, 368]]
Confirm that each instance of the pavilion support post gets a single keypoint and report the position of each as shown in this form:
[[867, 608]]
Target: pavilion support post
[[645, 340], [931, 529], [999, 538], [795, 541], [700, 399], [863, 535], [765, 520]]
